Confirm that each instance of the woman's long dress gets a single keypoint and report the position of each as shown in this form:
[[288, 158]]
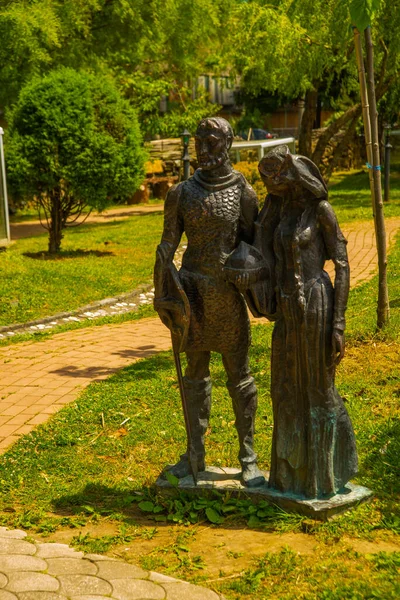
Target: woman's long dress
[[313, 450]]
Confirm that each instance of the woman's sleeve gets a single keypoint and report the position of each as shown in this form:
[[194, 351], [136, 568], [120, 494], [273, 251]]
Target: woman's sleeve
[[336, 246], [249, 212]]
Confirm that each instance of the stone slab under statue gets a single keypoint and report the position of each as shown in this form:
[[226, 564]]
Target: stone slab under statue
[[227, 480]]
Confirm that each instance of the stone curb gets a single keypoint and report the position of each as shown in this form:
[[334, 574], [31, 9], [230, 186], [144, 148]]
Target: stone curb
[[129, 296]]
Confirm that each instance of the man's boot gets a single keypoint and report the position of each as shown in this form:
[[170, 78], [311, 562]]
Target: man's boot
[[198, 397], [244, 399]]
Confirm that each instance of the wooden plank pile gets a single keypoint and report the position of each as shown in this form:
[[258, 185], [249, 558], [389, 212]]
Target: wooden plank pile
[[169, 152]]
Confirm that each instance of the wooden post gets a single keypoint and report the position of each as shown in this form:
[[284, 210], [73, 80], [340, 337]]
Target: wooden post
[[383, 295], [368, 103]]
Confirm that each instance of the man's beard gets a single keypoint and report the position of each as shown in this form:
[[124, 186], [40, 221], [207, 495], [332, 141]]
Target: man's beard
[[213, 162]]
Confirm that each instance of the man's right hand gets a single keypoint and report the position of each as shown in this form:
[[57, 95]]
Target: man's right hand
[[164, 251]]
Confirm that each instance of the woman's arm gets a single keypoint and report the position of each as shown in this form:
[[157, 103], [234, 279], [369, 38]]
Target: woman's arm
[[336, 244]]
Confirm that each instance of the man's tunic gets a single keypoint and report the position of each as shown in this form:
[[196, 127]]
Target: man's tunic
[[215, 218]]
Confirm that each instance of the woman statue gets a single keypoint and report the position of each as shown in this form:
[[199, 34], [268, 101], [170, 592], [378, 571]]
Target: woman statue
[[313, 447]]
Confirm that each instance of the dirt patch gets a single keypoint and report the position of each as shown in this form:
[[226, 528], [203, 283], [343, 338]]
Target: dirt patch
[[366, 547], [220, 551]]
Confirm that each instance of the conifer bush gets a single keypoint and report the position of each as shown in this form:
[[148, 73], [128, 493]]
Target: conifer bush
[[73, 142]]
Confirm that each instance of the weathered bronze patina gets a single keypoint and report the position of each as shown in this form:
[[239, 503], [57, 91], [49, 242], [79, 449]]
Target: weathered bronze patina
[[216, 208], [313, 447]]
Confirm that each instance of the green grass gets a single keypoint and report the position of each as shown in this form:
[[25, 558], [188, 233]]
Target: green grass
[[338, 574], [97, 261], [350, 195]]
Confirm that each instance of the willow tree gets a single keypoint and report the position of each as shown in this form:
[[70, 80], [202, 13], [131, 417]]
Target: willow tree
[[293, 48]]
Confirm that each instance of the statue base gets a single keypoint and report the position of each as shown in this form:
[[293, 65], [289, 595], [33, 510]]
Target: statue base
[[227, 479]]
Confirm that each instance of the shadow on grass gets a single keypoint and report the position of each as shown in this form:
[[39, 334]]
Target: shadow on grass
[[394, 303], [101, 499], [67, 254], [99, 371]]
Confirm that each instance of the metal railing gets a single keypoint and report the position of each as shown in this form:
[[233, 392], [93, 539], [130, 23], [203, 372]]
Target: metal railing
[[261, 146]]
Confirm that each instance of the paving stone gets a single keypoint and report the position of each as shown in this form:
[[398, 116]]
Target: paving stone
[[22, 563], [119, 570], [51, 550], [40, 596], [75, 585], [3, 580], [11, 545], [159, 577], [7, 595], [71, 566], [16, 534], [31, 582], [131, 589], [98, 557], [89, 597], [184, 591]]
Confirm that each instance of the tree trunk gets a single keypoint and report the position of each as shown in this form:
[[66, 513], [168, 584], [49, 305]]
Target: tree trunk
[[307, 122], [331, 130], [55, 228], [383, 294], [340, 147]]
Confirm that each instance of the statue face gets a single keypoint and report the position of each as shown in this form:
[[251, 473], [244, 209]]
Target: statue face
[[276, 178], [211, 148]]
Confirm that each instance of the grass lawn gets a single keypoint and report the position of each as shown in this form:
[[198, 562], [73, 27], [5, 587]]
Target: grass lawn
[[86, 477], [96, 262], [350, 195]]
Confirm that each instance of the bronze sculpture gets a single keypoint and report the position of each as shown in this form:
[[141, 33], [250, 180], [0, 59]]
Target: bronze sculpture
[[205, 312], [313, 447]]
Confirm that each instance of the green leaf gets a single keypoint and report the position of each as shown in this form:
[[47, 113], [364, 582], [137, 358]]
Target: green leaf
[[253, 521], [161, 518], [213, 516], [171, 479], [362, 11], [146, 506]]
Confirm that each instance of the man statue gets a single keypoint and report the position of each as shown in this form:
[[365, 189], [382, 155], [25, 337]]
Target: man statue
[[216, 208]]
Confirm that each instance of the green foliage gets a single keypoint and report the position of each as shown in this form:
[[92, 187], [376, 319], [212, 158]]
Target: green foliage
[[72, 141], [29, 33], [74, 132], [362, 12], [186, 116], [216, 508]]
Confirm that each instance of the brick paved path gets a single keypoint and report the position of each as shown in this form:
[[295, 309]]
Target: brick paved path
[[35, 571], [37, 379]]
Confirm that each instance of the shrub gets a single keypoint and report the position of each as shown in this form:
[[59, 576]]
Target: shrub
[[73, 142], [250, 171]]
